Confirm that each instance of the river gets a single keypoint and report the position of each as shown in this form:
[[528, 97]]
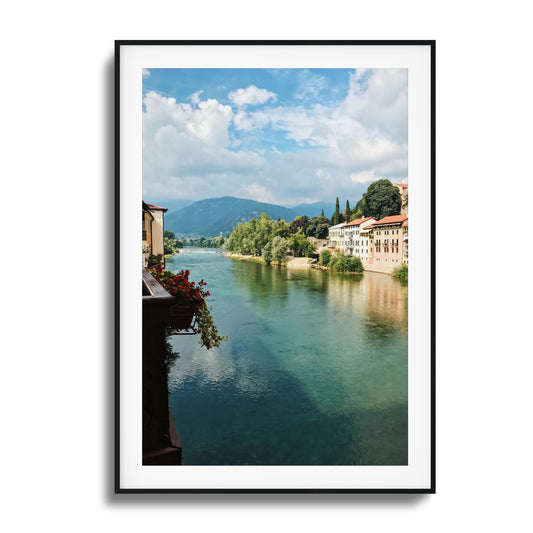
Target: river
[[314, 371]]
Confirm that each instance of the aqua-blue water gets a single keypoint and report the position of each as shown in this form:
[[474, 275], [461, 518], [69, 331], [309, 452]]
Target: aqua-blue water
[[314, 371]]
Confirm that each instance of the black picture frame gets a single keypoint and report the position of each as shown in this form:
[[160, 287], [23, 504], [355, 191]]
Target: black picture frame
[[119, 47]]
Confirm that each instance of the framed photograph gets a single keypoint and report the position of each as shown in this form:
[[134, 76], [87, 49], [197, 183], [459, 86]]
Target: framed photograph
[[268, 337]]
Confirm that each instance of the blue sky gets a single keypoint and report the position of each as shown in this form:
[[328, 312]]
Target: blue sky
[[284, 136]]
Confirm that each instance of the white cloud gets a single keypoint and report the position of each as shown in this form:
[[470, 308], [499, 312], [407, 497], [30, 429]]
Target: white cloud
[[259, 193], [365, 176], [310, 85], [195, 97], [250, 121], [251, 96], [188, 151], [146, 73]]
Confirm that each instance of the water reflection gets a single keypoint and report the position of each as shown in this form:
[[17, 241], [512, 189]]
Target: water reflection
[[314, 371]]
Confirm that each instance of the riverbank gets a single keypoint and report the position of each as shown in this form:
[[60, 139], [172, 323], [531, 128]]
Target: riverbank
[[305, 262], [290, 262]]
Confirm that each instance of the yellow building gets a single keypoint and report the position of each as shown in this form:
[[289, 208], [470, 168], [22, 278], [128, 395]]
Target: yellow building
[[153, 227]]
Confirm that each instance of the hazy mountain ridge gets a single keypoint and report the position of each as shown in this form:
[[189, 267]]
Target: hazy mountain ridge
[[210, 217]]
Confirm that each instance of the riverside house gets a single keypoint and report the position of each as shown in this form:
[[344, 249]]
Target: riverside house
[[336, 238], [388, 244], [356, 240], [153, 226], [382, 245]]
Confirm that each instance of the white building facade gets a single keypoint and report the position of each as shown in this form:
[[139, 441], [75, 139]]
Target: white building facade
[[336, 237], [356, 239]]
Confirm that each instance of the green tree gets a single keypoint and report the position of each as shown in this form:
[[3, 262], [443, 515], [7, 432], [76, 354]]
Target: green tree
[[401, 273], [356, 213], [360, 206], [169, 246], [280, 248], [299, 223], [318, 227], [282, 229], [325, 257], [169, 234], [301, 246], [347, 212], [345, 263], [336, 217], [382, 199], [267, 253]]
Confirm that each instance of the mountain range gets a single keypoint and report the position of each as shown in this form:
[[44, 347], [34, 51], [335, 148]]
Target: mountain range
[[209, 218]]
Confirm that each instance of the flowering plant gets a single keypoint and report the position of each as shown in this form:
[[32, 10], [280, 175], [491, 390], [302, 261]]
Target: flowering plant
[[191, 294], [178, 285]]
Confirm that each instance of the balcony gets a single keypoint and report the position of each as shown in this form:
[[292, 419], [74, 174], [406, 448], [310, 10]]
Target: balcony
[[161, 445]]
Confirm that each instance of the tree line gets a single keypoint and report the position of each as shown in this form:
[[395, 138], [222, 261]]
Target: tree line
[[172, 244], [381, 199], [271, 239]]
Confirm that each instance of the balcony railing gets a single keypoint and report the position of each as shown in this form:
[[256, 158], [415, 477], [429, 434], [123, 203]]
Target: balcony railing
[[161, 445]]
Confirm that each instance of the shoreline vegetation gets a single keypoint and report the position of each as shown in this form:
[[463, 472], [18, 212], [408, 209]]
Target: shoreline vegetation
[[401, 273], [289, 261], [293, 244]]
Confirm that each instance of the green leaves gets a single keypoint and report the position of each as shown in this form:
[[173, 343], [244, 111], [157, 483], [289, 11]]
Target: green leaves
[[382, 199]]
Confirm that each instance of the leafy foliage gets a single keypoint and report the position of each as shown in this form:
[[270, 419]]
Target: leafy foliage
[[336, 217], [189, 293], [280, 248], [185, 292], [382, 199], [345, 263], [254, 236], [347, 211], [209, 337], [301, 245], [401, 273], [318, 227], [299, 223], [207, 242], [325, 258], [266, 253]]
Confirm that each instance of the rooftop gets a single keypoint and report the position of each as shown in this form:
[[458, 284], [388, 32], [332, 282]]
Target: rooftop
[[157, 208], [393, 219], [342, 224], [358, 221]]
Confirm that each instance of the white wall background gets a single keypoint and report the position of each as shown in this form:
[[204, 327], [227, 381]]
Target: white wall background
[[57, 327]]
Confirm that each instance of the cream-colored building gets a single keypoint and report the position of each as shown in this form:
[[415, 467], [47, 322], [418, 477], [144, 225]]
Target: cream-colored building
[[153, 227], [403, 188], [336, 237], [356, 240]]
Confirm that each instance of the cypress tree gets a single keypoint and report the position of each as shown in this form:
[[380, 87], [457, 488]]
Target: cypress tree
[[335, 219]]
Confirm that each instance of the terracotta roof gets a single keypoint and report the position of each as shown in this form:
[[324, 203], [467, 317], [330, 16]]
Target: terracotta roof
[[358, 221], [394, 219], [157, 208], [405, 224], [402, 185]]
